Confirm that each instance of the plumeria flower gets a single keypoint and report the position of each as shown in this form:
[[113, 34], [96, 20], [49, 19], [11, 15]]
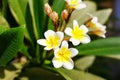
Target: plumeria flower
[[78, 34], [63, 55], [76, 4], [96, 28], [52, 41]]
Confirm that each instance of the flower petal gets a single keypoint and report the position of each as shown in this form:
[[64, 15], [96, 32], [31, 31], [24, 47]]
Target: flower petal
[[68, 31], [94, 20], [74, 41], [86, 39], [81, 6], [60, 34], [68, 65], [56, 63], [55, 52], [64, 44], [49, 33], [84, 28], [42, 42], [79, 1], [73, 51], [75, 23], [47, 48]]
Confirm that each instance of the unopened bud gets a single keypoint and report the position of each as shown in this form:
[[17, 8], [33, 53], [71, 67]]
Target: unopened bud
[[23, 60], [47, 8], [54, 16], [64, 14]]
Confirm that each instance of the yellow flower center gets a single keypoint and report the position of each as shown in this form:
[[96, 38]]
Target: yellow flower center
[[53, 41], [73, 3], [77, 33], [64, 54]]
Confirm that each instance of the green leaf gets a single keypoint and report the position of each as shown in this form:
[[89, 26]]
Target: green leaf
[[4, 7], [84, 62], [3, 21], [30, 25], [101, 47], [24, 51], [58, 6], [113, 56], [37, 12], [37, 73], [81, 15], [78, 75], [18, 8], [2, 29], [103, 15], [10, 43]]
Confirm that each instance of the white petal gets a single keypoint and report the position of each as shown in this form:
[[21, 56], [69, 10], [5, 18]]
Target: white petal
[[49, 33], [68, 31], [103, 36], [42, 42], [94, 20], [79, 1], [64, 44], [68, 65], [81, 6], [74, 51], [83, 27], [86, 39], [47, 48], [75, 23], [56, 63], [60, 34], [74, 41], [55, 52]]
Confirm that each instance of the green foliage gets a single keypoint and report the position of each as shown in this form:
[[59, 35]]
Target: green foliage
[[2, 29], [84, 62], [58, 6], [38, 9], [78, 75], [3, 21], [17, 11], [10, 43], [101, 47], [36, 73], [103, 15]]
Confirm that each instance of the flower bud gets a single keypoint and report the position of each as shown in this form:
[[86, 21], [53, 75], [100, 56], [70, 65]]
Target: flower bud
[[54, 16], [23, 60], [47, 8], [64, 14]]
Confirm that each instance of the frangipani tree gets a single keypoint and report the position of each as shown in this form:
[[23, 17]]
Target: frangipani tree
[[56, 36]]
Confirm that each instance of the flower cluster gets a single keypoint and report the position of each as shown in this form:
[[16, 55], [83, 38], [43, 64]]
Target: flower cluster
[[58, 40]]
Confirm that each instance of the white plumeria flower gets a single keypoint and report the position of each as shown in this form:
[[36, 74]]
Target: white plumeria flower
[[78, 34], [52, 41], [63, 55], [77, 4], [96, 28]]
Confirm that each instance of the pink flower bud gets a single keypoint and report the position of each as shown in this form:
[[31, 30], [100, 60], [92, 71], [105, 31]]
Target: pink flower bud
[[54, 16], [64, 14], [47, 8]]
